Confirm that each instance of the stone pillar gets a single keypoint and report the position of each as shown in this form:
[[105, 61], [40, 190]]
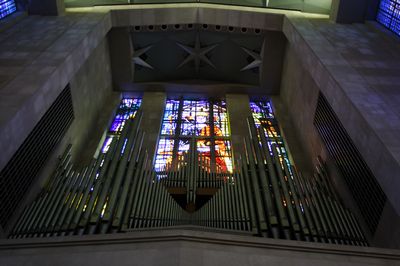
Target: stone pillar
[[153, 105], [238, 111], [273, 51], [120, 56], [46, 7], [353, 11]]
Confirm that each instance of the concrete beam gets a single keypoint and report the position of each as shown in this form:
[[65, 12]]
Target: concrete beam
[[238, 111], [46, 7], [353, 11], [153, 104]]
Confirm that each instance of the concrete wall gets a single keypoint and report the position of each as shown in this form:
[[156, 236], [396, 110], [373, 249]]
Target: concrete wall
[[93, 101], [297, 102], [185, 246]]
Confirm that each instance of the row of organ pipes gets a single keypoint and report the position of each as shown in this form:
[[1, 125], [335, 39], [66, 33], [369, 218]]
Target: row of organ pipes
[[120, 191]]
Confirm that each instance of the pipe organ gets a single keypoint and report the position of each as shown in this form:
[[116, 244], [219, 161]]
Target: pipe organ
[[121, 190]]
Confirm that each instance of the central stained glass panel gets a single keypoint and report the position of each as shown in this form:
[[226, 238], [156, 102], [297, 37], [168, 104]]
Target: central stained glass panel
[[205, 122]]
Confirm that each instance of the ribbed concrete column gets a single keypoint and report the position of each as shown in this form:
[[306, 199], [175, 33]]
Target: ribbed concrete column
[[46, 7], [353, 11], [239, 111], [153, 105]]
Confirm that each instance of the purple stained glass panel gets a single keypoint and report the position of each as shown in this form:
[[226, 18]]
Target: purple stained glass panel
[[264, 119], [7, 7], [389, 15], [127, 109]]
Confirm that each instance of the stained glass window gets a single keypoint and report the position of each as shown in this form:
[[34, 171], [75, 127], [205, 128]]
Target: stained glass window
[[127, 109], [389, 14], [264, 118], [7, 7], [205, 122]]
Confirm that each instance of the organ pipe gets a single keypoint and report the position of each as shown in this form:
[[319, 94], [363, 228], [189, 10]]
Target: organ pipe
[[120, 191]]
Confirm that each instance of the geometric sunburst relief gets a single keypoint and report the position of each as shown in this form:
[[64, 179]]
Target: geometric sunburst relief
[[197, 54]]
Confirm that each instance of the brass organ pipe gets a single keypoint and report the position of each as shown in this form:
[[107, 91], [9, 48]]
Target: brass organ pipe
[[22, 233], [274, 180], [325, 211], [85, 187], [314, 200], [60, 198], [357, 227], [144, 203], [262, 223], [225, 205], [131, 144], [233, 202], [263, 184], [243, 199], [91, 205], [230, 202], [333, 211], [54, 199], [86, 196], [136, 190], [320, 225], [133, 189], [289, 207], [56, 180], [253, 208], [71, 199], [299, 213], [309, 221], [163, 205], [339, 208], [142, 199], [346, 223], [126, 187], [104, 195], [63, 204], [154, 201], [157, 211], [17, 228], [36, 215]]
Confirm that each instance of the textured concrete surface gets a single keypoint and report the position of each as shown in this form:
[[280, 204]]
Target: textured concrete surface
[[153, 104], [185, 246], [355, 66], [238, 111], [39, 56]]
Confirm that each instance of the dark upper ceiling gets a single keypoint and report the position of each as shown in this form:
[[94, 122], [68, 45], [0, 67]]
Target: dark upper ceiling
[[197, 55]]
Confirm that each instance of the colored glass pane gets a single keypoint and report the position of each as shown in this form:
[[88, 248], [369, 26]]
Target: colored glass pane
[[126, 109], [264, 119], [204, 121], [7, 7], [389, 15]]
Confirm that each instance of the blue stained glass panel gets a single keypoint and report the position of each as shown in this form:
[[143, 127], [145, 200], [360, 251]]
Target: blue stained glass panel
[[264, 119], [7, 7], [127, 109], [389, 15]]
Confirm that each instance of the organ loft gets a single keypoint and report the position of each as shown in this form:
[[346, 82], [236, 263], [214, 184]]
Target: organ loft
[[218, 133]]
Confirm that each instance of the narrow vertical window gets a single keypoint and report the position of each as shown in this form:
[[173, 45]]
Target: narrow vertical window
[[7, 7], [204, 122], [264, 118], [389, 15], [127, 109]]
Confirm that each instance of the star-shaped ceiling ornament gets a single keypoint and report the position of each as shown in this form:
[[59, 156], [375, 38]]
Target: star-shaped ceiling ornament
[[137, 60], [197, 53], [257, 59]]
